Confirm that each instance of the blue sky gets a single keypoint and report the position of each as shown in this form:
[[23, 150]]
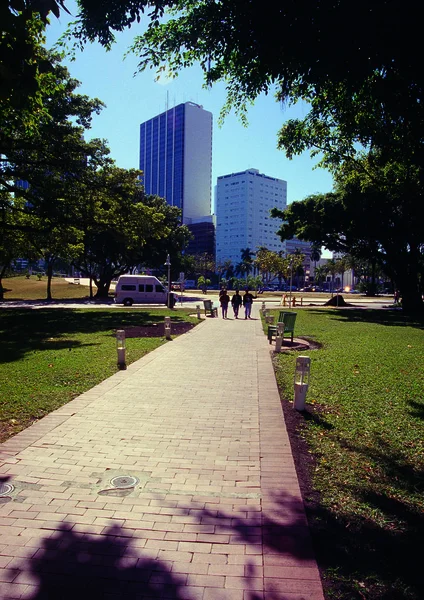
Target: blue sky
[[130, 100]]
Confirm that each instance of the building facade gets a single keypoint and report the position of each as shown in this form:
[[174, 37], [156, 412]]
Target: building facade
[[243, 204], [295, 245], [176, 158], [203, 241]]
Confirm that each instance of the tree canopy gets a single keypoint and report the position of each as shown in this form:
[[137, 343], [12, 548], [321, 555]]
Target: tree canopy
[[25, 68], [292, 45], [375, 213], [62, 197]]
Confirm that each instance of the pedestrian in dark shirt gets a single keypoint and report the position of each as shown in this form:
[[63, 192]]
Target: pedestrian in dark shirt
[[224, 299], [236, 302], [247, 303]]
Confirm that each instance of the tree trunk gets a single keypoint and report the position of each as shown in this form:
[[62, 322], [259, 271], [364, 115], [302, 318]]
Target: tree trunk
[[103, 285], [410, 293], [49, 279], [2, 272], [406, 276]]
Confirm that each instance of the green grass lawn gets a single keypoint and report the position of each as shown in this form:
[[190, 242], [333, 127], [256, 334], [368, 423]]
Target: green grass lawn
[[364, 427], [49, 356], [21, 288]]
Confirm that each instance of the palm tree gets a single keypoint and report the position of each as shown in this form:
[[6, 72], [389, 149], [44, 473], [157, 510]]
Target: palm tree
[[315, 253], [342, 268], [241, 269], [332, 268], [228, 268], [247, 258], [319, 273]]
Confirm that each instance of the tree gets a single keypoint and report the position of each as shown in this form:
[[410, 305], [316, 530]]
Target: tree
[[246, 264], [342, 266], [43, 170], [202, 283], [315, 253], [204, 264], [319, 274], [332, 268], [375, 213], [371, 95], [242, 44], [53, 244], [25, 68], [269, 264], [13, 243], [56, 147], [124, 228]]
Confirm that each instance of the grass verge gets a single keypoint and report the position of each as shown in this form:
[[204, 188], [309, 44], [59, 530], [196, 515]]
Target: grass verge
[[50, 356], [21, 288], [363, 441]]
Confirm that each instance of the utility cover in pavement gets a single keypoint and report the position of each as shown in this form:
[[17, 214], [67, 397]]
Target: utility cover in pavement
[[125, 481]]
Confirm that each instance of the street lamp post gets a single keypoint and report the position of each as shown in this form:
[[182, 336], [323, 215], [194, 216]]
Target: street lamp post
[[168, 264], [291, 282]]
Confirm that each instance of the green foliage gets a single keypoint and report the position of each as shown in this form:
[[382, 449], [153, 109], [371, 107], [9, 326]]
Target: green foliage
[[25, 69], [289, 46], [374, 214], [203, 263], [364, 427], [371, 97], [254, 283], [203, 282], [77, 205], [123, 228]]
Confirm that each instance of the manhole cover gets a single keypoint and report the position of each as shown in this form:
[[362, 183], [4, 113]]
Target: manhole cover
[[6, 488], [125, 481]]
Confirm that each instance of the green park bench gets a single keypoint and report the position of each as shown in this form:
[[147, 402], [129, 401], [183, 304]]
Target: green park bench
[[211, 308], [289, 319]]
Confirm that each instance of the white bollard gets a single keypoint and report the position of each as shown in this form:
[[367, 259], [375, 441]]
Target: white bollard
[[301, 381], [168, 328], [121, 347], [198, 310]]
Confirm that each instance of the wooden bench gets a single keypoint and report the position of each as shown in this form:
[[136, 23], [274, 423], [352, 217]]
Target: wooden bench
[[289, 319], [211, 308]]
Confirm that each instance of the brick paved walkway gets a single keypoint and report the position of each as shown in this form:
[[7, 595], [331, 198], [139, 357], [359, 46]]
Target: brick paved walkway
[[216, 511]]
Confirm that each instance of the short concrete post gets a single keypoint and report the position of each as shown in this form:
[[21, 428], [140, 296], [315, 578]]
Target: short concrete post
[[120, 347], [198, 310], [279, 337], [168, 328], [301, 381]]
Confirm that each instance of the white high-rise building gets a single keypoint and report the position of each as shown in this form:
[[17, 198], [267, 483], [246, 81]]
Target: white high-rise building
[[243, 204], [176, 158]]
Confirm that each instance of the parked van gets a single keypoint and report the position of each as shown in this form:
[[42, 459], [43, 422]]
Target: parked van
[[140, 289]]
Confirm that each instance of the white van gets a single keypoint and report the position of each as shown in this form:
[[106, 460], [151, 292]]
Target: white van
[[140, 289]]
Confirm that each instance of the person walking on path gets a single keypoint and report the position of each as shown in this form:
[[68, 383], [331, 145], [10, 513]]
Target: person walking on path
[[236, 302], [224, 299], [247, 303]]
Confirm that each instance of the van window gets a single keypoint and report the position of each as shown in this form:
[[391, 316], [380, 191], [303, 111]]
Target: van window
[[149, 287], [159, 289], [141, 287], [128, 288]]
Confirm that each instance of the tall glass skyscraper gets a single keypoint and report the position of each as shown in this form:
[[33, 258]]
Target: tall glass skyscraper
[[176, 158]]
